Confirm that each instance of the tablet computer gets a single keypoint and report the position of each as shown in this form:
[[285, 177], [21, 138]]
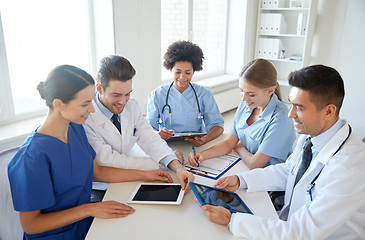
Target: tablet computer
[[157, 193], [218, 197]]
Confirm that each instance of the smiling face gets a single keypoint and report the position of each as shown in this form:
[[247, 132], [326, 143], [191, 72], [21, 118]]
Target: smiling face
[[182, 73], [254, 97], [307, 118], [78, 109], [116, 95]]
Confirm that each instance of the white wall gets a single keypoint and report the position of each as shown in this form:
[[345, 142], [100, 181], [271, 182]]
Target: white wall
[[339, 42], [137, 37]]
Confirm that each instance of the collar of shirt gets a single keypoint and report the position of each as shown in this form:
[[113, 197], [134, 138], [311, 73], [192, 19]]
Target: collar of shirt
[[102, 108], [269, 109], [321, 140]]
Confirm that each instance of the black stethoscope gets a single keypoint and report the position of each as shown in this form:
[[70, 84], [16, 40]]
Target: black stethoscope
[[200, 116]]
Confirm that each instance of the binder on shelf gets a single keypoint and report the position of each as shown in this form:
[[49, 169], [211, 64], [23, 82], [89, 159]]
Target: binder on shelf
[[277, 46], [278, 24], [302, 24], [272, 23], [259, 48], [264, 4], [267, 47], [262, 23], [277, 3]]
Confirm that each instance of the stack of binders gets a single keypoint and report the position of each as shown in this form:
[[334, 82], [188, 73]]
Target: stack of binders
[[269, 48], [272, 3], [272, 23]]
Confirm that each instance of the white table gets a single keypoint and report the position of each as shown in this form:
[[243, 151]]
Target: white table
[[185, 221]]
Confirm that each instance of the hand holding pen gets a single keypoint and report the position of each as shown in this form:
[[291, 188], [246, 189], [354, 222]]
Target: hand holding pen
[[195, 158], [164, 132]]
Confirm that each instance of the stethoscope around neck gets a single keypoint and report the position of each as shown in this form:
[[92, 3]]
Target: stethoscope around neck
[[200, 116]]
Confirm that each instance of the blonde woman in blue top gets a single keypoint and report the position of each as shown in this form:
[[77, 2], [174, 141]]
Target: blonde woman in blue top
[[261, 132]]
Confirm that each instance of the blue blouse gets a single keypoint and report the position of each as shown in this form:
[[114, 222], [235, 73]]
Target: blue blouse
[[272, 134], [184, 109], [49, 175]]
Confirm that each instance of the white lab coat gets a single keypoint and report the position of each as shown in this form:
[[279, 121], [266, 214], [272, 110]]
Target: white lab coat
[[112, 148], [337, 210]]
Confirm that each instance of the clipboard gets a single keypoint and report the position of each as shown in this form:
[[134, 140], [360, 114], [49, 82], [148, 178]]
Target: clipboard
[[182, 136], [213, 168]]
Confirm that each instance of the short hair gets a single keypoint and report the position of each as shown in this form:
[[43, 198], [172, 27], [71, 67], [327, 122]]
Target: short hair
[[184, 51], [325, 85], [63, 83], [262, 74], [115, 67]]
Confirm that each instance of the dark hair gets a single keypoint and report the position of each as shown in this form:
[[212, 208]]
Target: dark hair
[[182, 51], [324, 84], [261, 74], [63, 83], [116, 68]]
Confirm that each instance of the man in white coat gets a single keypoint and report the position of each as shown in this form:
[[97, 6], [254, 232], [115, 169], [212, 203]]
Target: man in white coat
[[117, 124], [323, 201]]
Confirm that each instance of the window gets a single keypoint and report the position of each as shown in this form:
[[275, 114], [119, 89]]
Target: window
[[35, 37], [200, 21]]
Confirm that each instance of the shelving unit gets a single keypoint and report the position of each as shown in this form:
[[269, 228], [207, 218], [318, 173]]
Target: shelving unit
[[293, 36]]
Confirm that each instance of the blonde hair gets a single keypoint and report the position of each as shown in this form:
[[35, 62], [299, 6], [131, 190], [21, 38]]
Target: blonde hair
[[261, 74]]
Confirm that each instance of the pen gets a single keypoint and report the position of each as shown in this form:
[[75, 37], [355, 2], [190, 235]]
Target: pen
[[310, 194], [192, 147], [198, 172], [310, 187], [134, 131]]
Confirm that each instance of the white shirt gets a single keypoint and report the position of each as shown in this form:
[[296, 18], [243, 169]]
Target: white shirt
[[337, 208], [112, 147]]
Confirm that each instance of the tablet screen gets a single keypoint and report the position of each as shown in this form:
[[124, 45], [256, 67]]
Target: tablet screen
[[157, 194], [218, 197]]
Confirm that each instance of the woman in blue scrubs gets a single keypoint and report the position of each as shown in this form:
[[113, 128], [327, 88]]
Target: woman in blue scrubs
[[51, 175], [261, 131], [182, 106]]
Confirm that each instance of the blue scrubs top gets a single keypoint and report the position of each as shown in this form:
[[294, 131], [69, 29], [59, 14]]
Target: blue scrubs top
[[184, 109], [49, 175], [272, 134]]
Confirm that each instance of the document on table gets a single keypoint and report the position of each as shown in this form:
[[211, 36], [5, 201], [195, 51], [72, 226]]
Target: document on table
[[215, 167]]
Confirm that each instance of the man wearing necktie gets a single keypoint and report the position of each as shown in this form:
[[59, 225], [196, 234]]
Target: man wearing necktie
[[118, 124], [323, 178]]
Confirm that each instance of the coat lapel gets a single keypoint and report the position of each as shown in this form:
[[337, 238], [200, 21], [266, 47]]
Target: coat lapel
[[101, 120], [297, 194]]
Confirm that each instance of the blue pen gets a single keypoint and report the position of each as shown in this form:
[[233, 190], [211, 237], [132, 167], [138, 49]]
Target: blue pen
[[310, 194], [310, 187], [192, 147]]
